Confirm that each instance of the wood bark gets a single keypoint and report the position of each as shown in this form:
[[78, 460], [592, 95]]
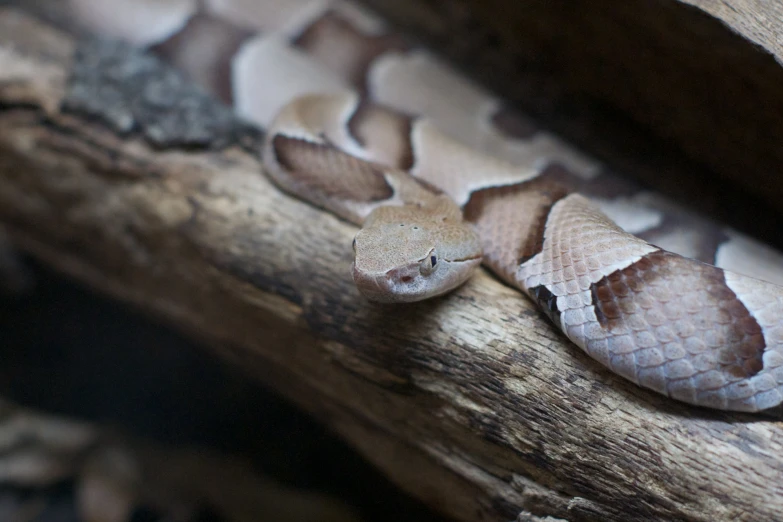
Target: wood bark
[[471, 402], [693, 85]]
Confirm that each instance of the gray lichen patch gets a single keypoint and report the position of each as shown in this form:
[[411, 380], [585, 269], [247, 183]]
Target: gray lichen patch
[[133, 92]]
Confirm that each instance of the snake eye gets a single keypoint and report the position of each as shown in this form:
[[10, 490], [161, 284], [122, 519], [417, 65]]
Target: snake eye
[[429, 264], [353, 245]]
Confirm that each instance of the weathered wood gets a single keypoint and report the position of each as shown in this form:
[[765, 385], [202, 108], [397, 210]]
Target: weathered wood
[[701, 84], [471, 402]]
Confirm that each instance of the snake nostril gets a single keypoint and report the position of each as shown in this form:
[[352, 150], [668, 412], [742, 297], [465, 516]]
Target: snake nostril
[[406, 279]]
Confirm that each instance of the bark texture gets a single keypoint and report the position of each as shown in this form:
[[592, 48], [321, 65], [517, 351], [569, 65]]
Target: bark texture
[[471, 402]]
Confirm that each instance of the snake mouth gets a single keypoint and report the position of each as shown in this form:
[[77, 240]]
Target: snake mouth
[[390, 287], [470, 259], [408, 285]]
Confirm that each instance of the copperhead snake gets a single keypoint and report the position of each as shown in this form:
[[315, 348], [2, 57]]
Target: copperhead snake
[[442, 179]]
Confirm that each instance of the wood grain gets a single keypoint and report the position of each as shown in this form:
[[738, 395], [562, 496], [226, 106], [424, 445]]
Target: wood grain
[[471, 402]]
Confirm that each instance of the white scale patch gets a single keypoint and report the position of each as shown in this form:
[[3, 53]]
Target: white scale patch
[[284, 17], [630, 214], [452, 167], [259, 97], [141, 22], [684, 236], [681, 240], [291, 17], [365, 21], [419, 83], [745, 255]]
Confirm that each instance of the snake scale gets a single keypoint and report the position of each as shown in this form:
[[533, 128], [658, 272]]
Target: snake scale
[[442, 177]]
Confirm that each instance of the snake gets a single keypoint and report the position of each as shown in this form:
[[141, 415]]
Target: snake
[[442, 177]]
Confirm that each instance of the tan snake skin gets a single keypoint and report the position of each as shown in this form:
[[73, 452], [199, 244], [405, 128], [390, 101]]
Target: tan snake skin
[[694, 331]]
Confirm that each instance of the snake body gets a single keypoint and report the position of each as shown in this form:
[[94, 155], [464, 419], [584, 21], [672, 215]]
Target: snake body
[[432, 205]]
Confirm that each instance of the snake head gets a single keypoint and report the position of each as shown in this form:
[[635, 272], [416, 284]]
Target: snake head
[[407, 261]]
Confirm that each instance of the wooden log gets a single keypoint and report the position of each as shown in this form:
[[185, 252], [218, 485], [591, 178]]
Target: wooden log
[[117, 173], [687, 83]]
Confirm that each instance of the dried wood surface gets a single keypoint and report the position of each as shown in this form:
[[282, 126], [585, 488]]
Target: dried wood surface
[[471, 402]]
